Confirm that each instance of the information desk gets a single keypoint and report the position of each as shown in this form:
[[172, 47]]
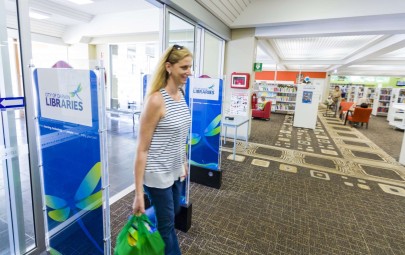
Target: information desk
[[235, 123]]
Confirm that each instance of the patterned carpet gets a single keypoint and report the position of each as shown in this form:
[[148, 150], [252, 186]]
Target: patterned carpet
[[331, 147], [297, 191]]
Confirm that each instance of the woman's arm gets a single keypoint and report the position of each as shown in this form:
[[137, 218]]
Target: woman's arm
[[153, 111]]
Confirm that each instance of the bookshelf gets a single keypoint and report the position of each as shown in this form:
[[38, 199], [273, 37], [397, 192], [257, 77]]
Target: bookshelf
[[382, 101], [369, 93], [397, 98], [350, 89], [282, 94]]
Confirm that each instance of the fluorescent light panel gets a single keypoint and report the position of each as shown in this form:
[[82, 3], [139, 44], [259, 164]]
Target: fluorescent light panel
[[80, 2], [36, 14]]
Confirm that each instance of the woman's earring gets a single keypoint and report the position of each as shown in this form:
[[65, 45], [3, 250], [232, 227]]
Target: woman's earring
[[169, 72]]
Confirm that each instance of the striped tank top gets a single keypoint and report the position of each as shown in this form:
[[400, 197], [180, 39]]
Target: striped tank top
[[168, 146]]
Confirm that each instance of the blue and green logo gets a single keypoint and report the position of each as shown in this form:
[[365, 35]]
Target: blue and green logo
[[65, 101], [75, 93], [88, 197]]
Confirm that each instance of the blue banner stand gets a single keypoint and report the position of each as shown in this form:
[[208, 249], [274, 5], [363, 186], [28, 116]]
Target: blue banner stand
[[69, 123], [206, 104]]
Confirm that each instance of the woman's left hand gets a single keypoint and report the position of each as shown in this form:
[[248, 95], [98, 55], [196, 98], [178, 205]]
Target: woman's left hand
[[185, 173], [186, 169]]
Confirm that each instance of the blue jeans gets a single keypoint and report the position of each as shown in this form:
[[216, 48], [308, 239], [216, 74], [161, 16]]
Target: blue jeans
[[166, 203]]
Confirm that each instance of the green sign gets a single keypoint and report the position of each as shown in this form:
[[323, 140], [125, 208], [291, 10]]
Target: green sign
[[257, 67]]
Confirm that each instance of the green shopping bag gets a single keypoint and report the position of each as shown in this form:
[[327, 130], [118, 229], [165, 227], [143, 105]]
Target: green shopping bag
[[139, 237]]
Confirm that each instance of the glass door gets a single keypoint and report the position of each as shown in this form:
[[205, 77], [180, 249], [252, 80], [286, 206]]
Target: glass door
[[20, 207], [212, 55], [181, 32]]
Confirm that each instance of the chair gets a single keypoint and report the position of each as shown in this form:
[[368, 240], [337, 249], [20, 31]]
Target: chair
[[360, 115], [344, 107], [263, 114]]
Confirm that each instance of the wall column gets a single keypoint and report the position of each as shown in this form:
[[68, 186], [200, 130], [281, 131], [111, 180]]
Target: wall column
[[240, 54]]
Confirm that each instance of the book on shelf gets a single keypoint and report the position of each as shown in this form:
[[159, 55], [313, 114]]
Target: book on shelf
[[282, 94]]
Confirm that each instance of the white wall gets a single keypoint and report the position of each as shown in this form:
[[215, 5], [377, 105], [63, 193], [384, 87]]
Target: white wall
[[240, 54]]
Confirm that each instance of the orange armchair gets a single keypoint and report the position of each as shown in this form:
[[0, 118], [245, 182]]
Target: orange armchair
[[263, 114], [360, 115], [344, 107]]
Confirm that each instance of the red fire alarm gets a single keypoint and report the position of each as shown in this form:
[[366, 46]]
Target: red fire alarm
[[240, 80]]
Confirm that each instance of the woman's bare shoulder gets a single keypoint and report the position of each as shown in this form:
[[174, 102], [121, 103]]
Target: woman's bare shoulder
[[155, 100], [154, 105]]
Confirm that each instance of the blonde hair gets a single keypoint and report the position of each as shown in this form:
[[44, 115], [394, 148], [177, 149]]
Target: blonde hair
[[173, 55]]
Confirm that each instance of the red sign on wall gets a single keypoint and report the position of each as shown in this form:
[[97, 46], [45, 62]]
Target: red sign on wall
[[240, 80]]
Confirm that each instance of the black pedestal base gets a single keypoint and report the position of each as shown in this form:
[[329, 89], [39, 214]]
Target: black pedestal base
[[206, 177], [182, 221]]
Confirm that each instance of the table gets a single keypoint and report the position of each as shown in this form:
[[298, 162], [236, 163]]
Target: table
[[235, 123], [132, 112]]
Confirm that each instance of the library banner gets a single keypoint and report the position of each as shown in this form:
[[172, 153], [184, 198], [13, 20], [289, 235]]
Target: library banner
[[206, 97], [71, 161]]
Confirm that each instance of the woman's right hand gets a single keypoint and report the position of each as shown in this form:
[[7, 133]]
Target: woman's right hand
[[139, 204]]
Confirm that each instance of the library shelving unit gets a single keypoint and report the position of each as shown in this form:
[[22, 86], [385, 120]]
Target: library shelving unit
[[360, 93], [398, 118], [369, 93], [351, 93], [355, 93], [382, 101], [286, 98], [397, 98], [351, 90], [267, 89], [282, 94]]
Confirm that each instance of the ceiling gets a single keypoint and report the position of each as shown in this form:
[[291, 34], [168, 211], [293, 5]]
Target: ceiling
[[291, 35], [301, 36]]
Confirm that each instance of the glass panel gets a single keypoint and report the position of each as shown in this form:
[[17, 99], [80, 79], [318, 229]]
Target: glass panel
[[212, 56], [181, 32], [129, 62], [16, 217], [40, 52]]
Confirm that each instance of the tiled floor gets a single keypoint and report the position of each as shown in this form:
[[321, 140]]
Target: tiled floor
[[121, 152], [325, 191]]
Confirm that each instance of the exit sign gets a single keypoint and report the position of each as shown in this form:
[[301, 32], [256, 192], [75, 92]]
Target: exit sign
[[257, 67]]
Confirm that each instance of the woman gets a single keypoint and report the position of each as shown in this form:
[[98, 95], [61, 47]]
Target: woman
[[161, 155]]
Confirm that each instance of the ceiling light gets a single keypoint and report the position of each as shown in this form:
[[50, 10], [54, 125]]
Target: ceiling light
[[335, 71], [36, 14], [81, 1]]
